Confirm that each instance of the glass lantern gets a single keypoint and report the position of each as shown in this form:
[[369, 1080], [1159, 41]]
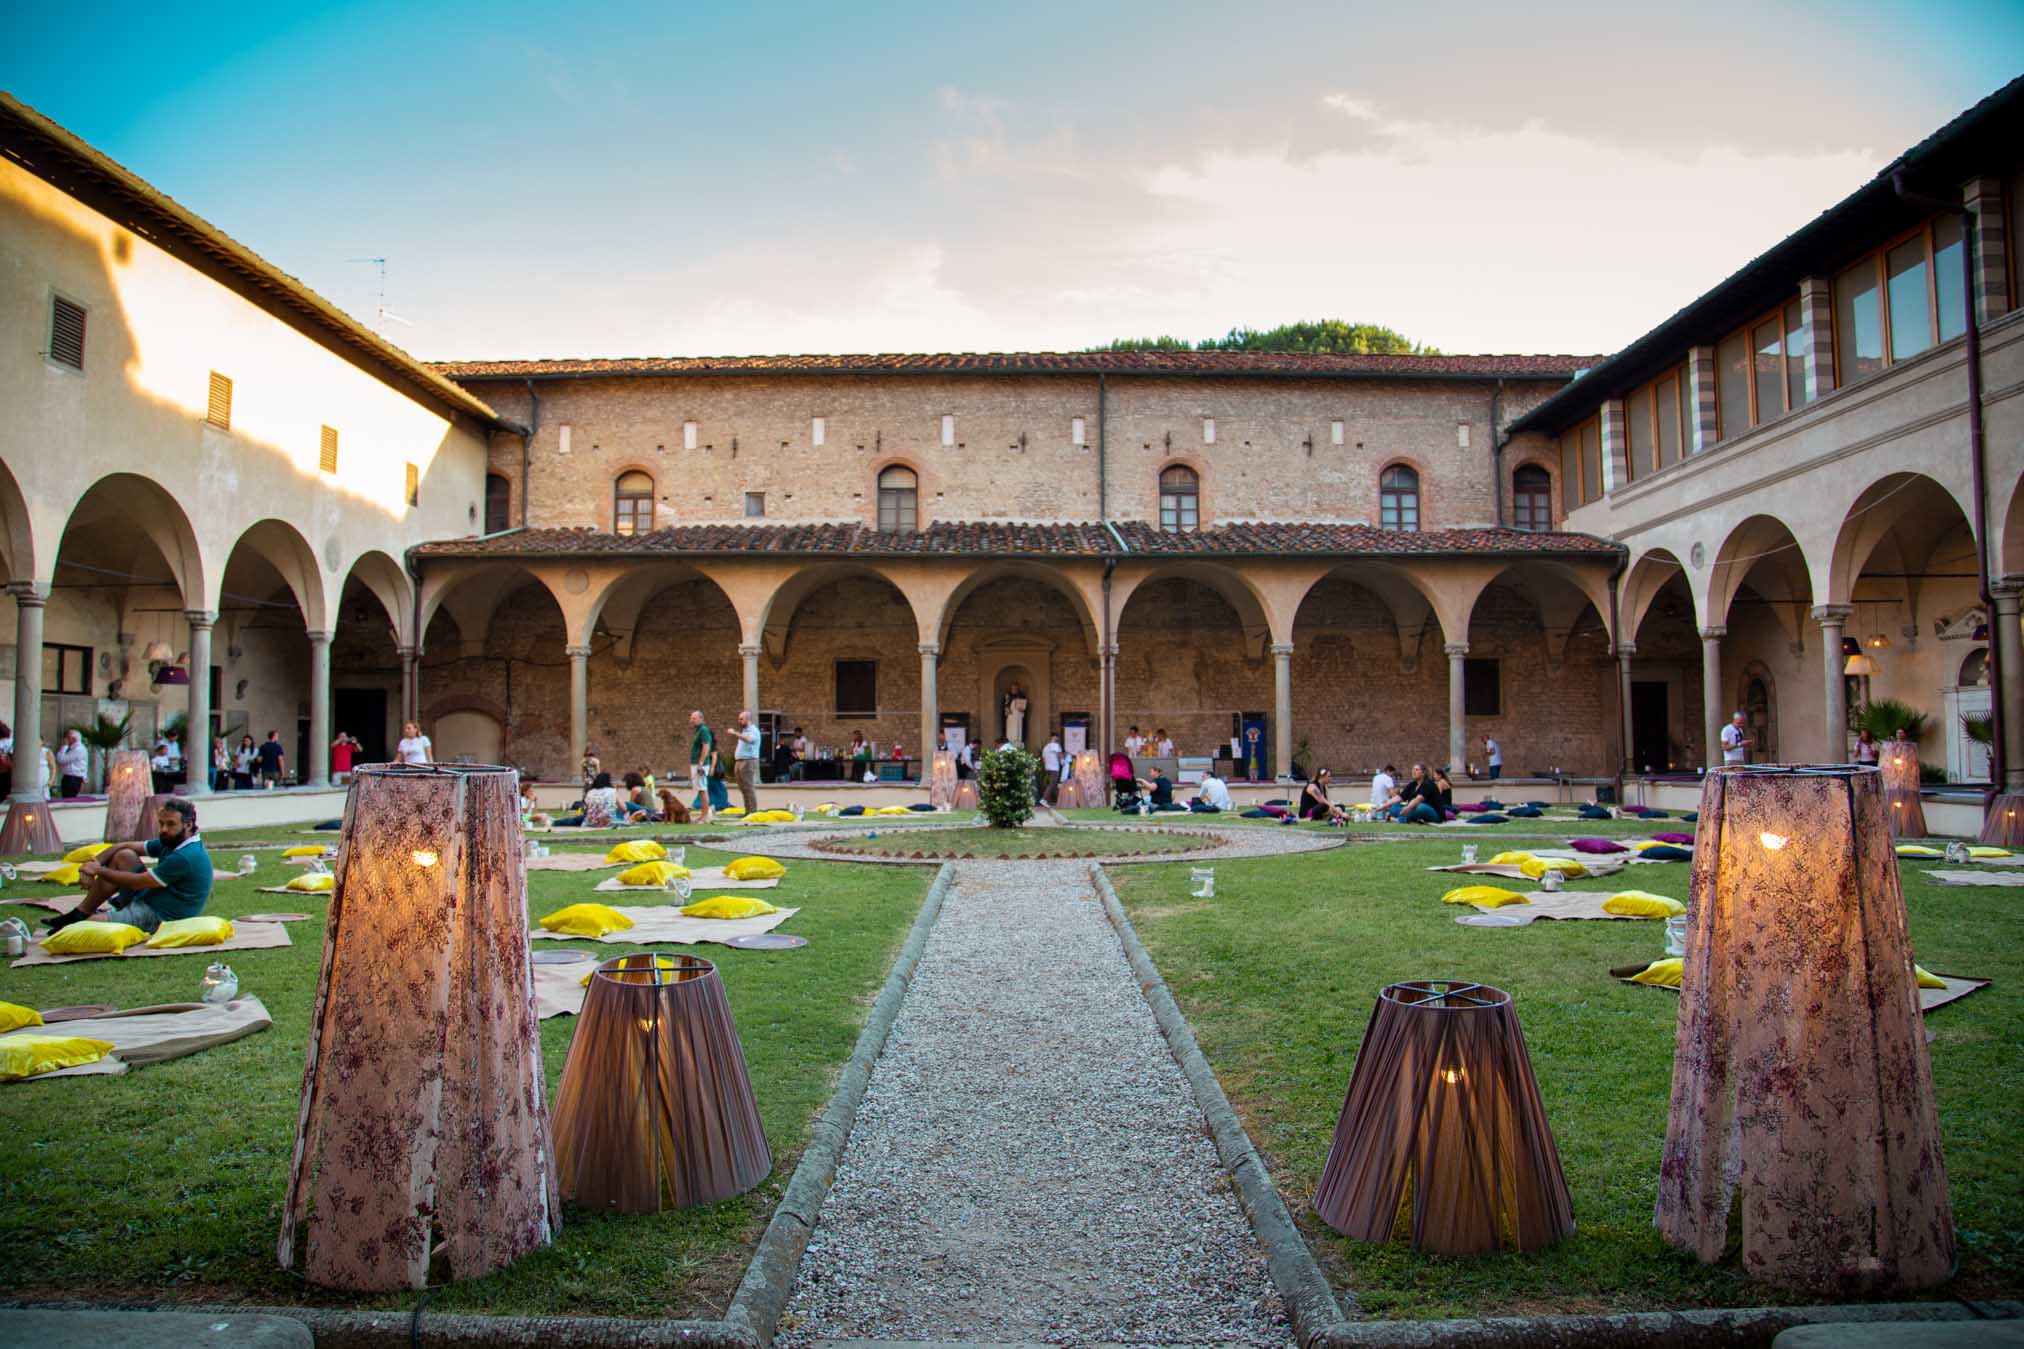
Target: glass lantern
[[219, 984]]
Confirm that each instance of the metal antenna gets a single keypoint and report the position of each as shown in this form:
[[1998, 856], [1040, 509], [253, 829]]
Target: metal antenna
[[381, 312]]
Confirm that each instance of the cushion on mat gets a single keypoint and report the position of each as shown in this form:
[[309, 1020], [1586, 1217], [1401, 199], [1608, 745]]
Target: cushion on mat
[[329, 824], [1642, 904], [306, 850], [1486, 896], [1651, 814], [1690, 816], [851, 810], [1593, 813], [1475, 808], [1596, 845], [1276, 801], [67, 874], [1535, 867], [1491, 818], [1684, 840], [1524, 812], [1513, 858], [1667, 852], [587, 920], [729, 906], [13, 1016], [313, 882], [770, 817], [922, 806], [1917, 850], [636, 850], [201, 931], [1984, 853], [1665, 973], [1255, 814], [93, 939], [84, 852], [755, 869], [636, 976], [1538, 805], [1927, 979], [26, 1055], [651, 873]]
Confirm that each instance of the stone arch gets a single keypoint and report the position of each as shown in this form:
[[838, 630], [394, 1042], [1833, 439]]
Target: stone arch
[[1404, 594], [1642, 583], [388, 582], [1191, 654], [122, 508], [620, 606], [1915, 509], [1560, 594], [2008, 556], [1051, 577], [776, 616], [1763, 552], [1254, 611], [17, 531], [281, 546], [472, 593]]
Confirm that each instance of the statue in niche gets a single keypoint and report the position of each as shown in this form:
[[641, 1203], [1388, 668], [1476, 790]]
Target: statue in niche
[[1015, 715]]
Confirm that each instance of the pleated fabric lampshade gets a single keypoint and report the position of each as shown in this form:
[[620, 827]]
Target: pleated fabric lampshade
[[1443, 1102], [655, 1109], [1090, 781], [129, 782], [942, 779], [424, 1127], [1899, 764], [29, 828], [1801, 1084]]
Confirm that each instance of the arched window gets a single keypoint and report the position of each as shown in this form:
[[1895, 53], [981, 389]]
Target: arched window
[[498, 499], [1399, 499], [1531, 498], [1180, 499], [632, 503], [898, 501]]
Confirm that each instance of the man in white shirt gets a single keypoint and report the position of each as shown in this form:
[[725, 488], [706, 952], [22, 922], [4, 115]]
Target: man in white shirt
[[1735, 744], [1050, 756], [1134, 744], [1166, 744], [745, 761], [1382, 784], [1496, 755], [1213, 791], [73, 761]]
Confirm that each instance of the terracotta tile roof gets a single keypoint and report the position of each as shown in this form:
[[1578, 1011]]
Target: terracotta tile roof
[[1304, 364], [989, 539]]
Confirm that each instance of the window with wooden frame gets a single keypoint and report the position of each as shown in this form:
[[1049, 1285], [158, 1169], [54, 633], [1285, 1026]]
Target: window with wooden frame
[[1180, 499], [1581, 463], [1482, 687], [326, 450], [856, 688], [498, 502], [632, 503], [1398, 499], [1760, 371], [66, 669], [898, 500], [218, 410], [1904, 298], [1531, 498]]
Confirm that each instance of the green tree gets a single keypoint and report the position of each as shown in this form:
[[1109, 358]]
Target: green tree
[[1005, 786], [1325, 335]]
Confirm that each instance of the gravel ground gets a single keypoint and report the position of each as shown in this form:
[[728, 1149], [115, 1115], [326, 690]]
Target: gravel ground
[[1029, 1164], [1230, 841]]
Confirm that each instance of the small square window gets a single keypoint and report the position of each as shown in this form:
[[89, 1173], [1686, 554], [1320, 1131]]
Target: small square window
[[562, 439], [818, 430], [326, 450], [1335, 433], [1462, 435], [1482, 691], [857, 688], [755, 504], [218, 411]]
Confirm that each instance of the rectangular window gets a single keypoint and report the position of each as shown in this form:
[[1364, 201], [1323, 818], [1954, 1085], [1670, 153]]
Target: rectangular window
[[691, 433], [1947, 303], [1858, 324], [1335, 433], [1482, 688], [1911, 319], [1666, 394], [1767, 368], [414, 486], [66, 332], [1461, 435], [755, 505], [857, 688], [218, 412], [65, 669], [1795, 358], [326, 450], [1208, 430], [562, 439], [1638, 432], [1732, 386], [1075, 436], [1570, 469], [1591, 461], [818, 430], [948, 429]]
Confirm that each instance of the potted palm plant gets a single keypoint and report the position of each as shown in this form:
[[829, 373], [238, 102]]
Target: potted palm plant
[[103, 735]]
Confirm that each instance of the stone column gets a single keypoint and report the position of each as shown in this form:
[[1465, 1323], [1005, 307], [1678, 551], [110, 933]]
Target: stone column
[[1832, 619], [1713, 717], [1458, 721], [1816, 317], [29, 600], [411, 689], [748, 653], [316, 773], [1108, 681], [2007, 594], [1700, 433], [1624, 651], [197, 750], [579, 701], [1282, 708], [931, 705]]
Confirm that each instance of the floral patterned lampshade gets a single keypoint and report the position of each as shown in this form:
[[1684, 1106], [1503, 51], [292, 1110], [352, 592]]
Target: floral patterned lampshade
[[1802, 1095], [1899, 764], [129, 782], [942, 779], [424, 1126]]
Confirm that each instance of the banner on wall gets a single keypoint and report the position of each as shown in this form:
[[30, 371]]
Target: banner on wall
[[1251, 748], [1075, 732]]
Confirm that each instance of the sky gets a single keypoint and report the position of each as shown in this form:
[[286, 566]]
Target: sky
[[668, 179]]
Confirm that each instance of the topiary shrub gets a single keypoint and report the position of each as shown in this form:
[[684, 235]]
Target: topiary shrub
[[1005, 787]]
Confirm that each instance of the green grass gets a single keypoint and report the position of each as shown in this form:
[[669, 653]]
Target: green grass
[[168, 1182], [1278, 974], [1542, 828], [1026, 842]]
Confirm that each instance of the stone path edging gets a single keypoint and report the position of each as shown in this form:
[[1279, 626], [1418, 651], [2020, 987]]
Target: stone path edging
[[762, 1294], [1714, 1328], [1310, 1302], [1232, 842]]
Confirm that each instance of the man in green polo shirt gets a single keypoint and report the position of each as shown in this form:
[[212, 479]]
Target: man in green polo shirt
[[706, 772], [178, 886]]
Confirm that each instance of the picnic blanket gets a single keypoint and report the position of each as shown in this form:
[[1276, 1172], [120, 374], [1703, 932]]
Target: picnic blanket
[[666, 925], [246, 936], [1956, 987], [559, 990], [57, 903], [144, 1035], [1593, 866], [37, 868], [2005, 878], [707, 878], [1565, 905]]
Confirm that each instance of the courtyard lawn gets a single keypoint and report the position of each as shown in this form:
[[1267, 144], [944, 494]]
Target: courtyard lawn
[[1278, 973], [1027, 842], [167, 1182], [1546, 827]]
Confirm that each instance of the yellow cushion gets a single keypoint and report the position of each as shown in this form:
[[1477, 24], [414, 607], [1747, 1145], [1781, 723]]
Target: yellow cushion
[[67, 874], [729, 906], [1665, 973], [1510, 859], [25, 1055], [306, 850], [651, 873], [732, 812], [1483, 896], [636, 850], [638, 976], [1918, 850], [1927, 979], [1535, 867], [313, 881], [92, 938], [755, 869], [1986, 852], [587, 920], [14, 1016], [191, 932], [770, 817], [1642, 904], [827, 807], [84, 852], [1644, 843]]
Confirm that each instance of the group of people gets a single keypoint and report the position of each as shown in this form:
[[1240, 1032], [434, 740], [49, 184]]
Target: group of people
[[1157, 746], [1427, 797]]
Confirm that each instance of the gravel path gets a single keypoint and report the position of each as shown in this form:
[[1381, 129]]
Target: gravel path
[[1029, 1163], [1230, 841]]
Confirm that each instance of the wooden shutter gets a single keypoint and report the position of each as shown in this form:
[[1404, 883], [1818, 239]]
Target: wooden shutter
[[66, 333], [327, 456], [414, 486], [219, 412]]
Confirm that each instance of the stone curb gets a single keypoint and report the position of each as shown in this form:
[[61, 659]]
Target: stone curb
[[338, 1329], [1232, 845], [1733, 1328], [1310, 1303], [762, 1294]]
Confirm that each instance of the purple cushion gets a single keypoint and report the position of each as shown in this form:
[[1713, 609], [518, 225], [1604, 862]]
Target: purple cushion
[[1596, 845], [1684, 840], [1476, 809], [1276, 812]]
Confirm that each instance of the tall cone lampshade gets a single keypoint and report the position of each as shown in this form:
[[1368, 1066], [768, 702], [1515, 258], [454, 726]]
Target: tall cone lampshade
[[129, 782], [942, 779], [655, 1109], [1802, 1094], [424, 1125], [29, 828], [1899, 764]]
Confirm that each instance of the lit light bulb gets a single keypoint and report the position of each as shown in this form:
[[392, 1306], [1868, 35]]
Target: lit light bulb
[[1451, 1076], [1772, 842], [424, 858]]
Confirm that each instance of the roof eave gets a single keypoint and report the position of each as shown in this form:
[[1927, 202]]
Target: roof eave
[[827, 372]]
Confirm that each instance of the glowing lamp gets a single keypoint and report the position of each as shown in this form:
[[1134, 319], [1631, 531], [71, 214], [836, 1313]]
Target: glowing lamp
[[1858, 664], [1877, 641], [1850, 647], [1442, 1102], [655, 1109], [129, 782], [158, 653], [29, 828], [423, 1042], [1899, 765], [942, 779], [1802, 1096]]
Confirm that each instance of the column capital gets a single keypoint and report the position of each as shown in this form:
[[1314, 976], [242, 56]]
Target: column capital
[[30, 594], [1715, 634], [203, 618], [1625, 650], [1833, 615], [317, 639], [1282, 648], [749, 650], [407, 652], [1456, 648], [2006, 588], [576, 652], [929, 648]]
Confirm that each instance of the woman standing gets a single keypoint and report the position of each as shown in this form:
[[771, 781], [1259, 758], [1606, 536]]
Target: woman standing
[[221, 764], [242, 764], [1866, 749], [415, 748], [342, 751]]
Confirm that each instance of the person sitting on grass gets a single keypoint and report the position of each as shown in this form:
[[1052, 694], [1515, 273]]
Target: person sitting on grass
[[1422, 801], [1160, 791], [178, 887], [1314, 802], [1213, 794], [1401, 797], [636, 802]]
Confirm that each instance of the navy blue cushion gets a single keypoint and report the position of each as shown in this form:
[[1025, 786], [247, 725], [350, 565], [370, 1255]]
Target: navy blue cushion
[[1691, 815], [851, 810], [1593, 813], [1277, 801], [1203, 808], [329, 824], [1255, 814], [920, 805], [1524, 812], [1655, 814], [1490, 817], [1537, 805], [1666, 852]]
